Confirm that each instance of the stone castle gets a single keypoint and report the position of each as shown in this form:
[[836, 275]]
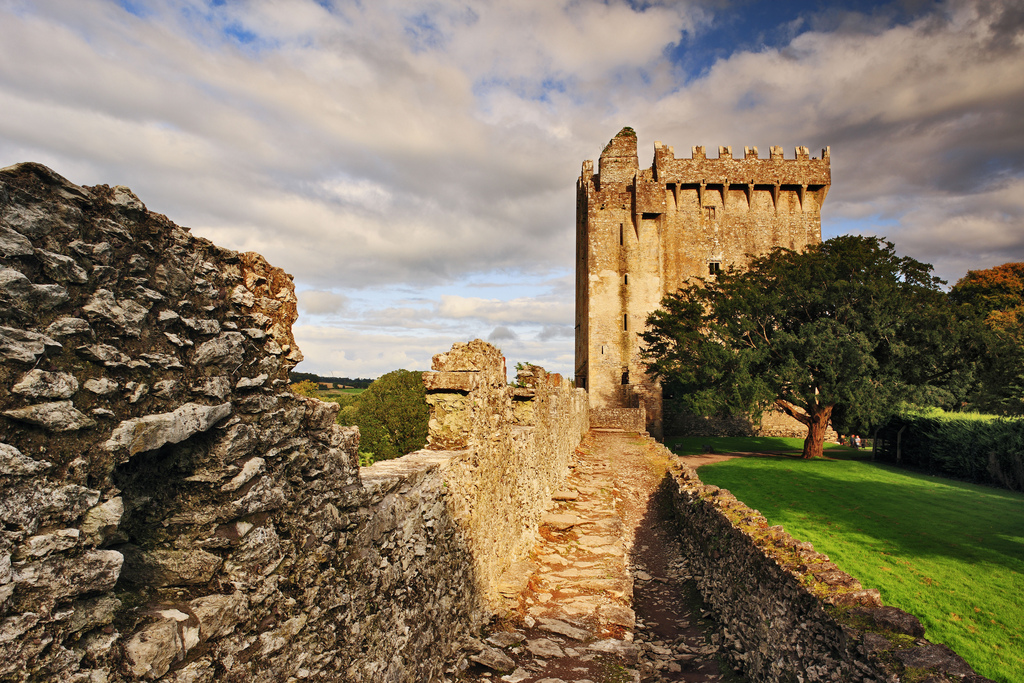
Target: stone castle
[[643, 233]]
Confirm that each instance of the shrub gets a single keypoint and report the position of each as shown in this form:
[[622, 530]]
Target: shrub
[[983, 448], [391, 414], [307, 388]]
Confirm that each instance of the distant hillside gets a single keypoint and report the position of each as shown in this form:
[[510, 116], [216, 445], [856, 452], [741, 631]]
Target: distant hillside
[[358, 383]]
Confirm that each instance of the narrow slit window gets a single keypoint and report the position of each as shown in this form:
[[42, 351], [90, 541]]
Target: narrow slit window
[[625, 376], [625, 322], [625, 279], [621, 238]]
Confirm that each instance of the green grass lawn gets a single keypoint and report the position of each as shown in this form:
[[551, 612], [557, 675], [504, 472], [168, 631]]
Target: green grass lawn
[[949, 552]]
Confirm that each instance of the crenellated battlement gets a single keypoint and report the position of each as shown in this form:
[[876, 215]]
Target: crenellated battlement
[[801, 169], [749, 153], [619, 165]]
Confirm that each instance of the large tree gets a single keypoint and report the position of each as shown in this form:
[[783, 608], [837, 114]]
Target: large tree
[[995, 297], [846, 325]]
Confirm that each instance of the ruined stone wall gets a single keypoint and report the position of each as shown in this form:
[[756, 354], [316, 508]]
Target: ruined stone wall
[[515, 452], [786, 612], [170, 511], [626, 419], [166, 503], [643, 233]]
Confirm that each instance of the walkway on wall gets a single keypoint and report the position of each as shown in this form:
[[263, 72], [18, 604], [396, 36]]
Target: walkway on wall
[[607, 595]]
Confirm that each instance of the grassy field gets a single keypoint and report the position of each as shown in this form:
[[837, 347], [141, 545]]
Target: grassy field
[[340, 392], [949, 552]]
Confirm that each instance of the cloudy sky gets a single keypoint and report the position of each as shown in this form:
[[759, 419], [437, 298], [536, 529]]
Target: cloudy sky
[[413, 162]]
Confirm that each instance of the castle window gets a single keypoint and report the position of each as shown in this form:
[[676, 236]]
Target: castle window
[[625, 376], [620, 235], [625, 279], [625, 322], [714, 268], [709, 213]]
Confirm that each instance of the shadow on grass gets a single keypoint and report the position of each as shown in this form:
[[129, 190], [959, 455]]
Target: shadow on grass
[[892, 510], [776, 445]]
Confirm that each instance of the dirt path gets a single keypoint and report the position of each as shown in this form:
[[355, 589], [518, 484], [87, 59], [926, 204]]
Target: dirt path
[[608, 597], [696, 461]]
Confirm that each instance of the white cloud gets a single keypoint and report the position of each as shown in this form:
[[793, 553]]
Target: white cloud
[[514, 311], [377, 149], [316, 302]]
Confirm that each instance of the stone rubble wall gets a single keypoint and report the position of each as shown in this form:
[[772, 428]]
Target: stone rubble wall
[[786, 612], [170, 511], [517, 445], [626, 419]]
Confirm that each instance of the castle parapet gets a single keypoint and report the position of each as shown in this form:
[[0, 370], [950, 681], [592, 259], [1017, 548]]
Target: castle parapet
[[619, 165], [776, 170]]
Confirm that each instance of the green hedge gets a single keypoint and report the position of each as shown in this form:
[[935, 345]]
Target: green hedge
[[982, 448]]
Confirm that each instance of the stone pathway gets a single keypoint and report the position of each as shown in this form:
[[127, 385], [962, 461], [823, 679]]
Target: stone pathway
[[606, 598]]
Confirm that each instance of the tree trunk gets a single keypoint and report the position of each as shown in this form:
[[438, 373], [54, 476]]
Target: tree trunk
[[817, 423], [814, 444]]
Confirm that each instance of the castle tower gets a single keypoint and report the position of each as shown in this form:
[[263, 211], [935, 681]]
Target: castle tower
[[642, 233]]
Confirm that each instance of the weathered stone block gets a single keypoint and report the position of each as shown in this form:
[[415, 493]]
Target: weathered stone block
[[25, 346], [225, 351], [153, 650], [153, 431], [61, 577], [56, 416], [219, 614], [451, 381], [163, 567], [13, 462], [41, 384]]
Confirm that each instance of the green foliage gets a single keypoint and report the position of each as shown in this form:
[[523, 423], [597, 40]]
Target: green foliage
[[995, 299], [305, 388], [348, 415], [347, 401], [992, 290], [391, 414], [846, 325], [983, 448], [946, 551]]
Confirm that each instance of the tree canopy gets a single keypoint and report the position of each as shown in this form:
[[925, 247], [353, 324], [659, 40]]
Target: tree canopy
[[996, 293], [392, 415], [995, 297], [845, 326]]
